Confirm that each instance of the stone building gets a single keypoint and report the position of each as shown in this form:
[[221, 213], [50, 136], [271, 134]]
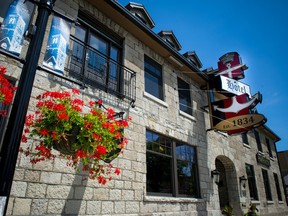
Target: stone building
[[283, 163], [114, 54]]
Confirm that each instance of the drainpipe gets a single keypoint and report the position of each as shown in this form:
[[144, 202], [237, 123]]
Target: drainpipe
[[16, 122]]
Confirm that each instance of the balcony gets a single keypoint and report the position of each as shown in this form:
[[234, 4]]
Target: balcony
[[90, 67]]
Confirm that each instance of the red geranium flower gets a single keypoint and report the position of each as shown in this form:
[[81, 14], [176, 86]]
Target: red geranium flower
[[60, 122], [101, 150]]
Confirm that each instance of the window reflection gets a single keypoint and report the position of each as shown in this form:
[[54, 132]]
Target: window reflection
[[165, 174]]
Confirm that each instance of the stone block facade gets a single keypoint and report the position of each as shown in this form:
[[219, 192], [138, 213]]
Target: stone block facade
[[51, 188]]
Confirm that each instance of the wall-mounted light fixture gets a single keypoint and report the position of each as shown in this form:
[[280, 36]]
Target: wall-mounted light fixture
[[242, 180], [215, 174]]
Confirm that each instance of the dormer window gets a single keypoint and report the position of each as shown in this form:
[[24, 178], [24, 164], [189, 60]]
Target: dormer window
[[170, 38], [139, 11], [193, 58], [141, 18], [170, 42]]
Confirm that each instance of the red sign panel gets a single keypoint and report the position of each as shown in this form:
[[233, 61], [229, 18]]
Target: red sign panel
[[230, 65]]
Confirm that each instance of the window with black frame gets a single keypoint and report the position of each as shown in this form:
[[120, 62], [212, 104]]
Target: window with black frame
[[96, 55], [245, 138], [184, 96], [251, 181], [266, 184], [269, 147], [153, 78], [258, 141], [277, 187], [171, 167]]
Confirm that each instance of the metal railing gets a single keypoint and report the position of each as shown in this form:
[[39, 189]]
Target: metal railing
[[91, 67]]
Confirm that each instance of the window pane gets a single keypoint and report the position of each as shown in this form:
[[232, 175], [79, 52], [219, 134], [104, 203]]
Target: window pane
[[96, 56], [98, 44], [267, 184], [184, 97], [153, 85], [257, 137], [269, 147], [251, 182], [245, 138], [186, 170], [158, 143], [98, 62], [78, 53], [153, 78], [277, 187], [114, 54], [166, 174], [80, 33], [159, 173]]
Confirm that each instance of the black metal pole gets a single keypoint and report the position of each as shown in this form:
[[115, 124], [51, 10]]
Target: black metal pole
[[16, 122]]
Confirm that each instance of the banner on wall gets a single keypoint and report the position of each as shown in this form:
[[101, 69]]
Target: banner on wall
[[57, 46], [14, 26]]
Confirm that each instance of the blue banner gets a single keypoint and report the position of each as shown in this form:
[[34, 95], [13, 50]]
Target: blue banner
[[14, 26], [57, 45]]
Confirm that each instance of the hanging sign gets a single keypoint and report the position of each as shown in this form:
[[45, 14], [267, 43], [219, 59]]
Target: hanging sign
[[234, 86], [240, 122], [57, 46], [14, 26], [233, 114], [230, 65]]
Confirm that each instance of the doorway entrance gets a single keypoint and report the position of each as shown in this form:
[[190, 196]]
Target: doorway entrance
[[228, 185]]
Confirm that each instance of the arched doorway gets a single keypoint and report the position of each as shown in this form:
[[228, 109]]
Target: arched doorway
[[228, 185], [222, 185]]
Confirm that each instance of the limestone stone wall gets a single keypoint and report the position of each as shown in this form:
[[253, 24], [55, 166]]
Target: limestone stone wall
[[234, 154], [50, 188]]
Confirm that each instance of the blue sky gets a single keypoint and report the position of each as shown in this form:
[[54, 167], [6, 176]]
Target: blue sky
[[257, 30]]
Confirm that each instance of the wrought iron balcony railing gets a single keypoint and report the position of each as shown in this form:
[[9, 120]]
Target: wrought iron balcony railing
[[91, 67]]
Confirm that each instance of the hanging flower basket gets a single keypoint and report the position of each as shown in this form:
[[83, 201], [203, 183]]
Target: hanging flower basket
[[6, 90], [94, 138], [64, 144]]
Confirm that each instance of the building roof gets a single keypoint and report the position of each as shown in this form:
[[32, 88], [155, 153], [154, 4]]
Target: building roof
[[141, 13], [193, 58], [125, 18], [170, 38]]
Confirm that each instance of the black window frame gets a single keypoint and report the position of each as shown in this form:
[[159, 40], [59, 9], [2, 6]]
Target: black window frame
[[245, 138], [251, 182], [151, 68], [267, 185], [166, 147], [258, 140], [269, 147], [277, 185], [184, 92], [97, 74]]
